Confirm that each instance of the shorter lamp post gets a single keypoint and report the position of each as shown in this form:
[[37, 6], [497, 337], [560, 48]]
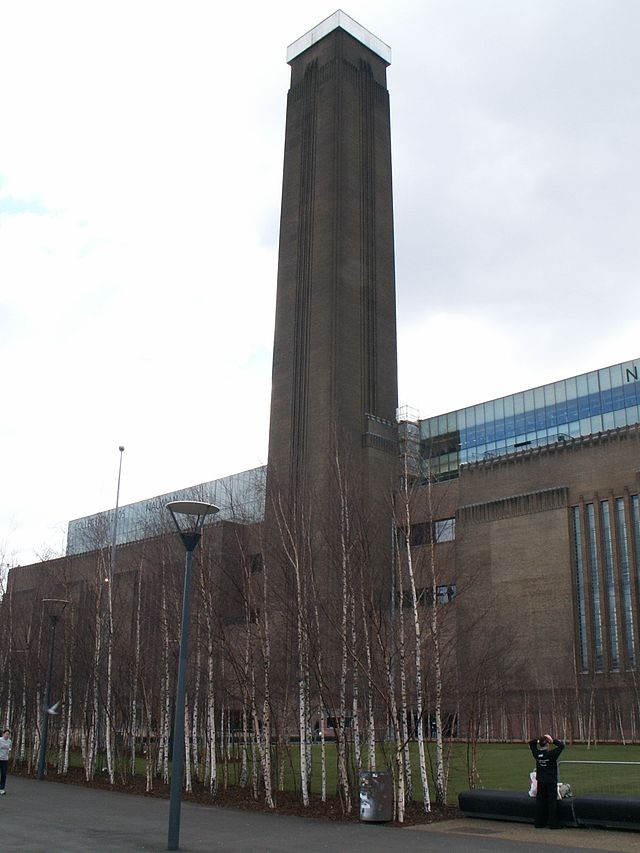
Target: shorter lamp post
[[54, 608], [189, 518]]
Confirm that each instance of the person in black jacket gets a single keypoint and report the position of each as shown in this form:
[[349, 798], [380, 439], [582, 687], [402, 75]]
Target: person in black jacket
[[546, 750]]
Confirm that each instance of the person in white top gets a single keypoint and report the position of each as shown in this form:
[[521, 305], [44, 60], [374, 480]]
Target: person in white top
[[5, 749]]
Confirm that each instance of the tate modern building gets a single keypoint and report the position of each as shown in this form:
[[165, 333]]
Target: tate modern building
[[522, 513]]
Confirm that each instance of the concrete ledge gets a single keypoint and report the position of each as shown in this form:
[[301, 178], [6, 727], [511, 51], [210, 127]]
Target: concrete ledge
[[616, 811], [508, 805]]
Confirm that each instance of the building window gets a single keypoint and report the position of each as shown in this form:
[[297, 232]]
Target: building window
[[557, 412], [407, 598], [595, 586], [256, 563], [445, 530], [625, 574], [445, 593], [580, 580], [635, 512], [442, 530], [607, 547], [420, 533], [252, 616]]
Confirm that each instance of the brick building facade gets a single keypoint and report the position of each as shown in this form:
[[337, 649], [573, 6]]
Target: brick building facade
[[546, 569], [524, 519]]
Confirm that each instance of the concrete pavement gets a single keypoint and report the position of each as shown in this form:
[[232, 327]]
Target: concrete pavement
[[526, 834], [49, 817]]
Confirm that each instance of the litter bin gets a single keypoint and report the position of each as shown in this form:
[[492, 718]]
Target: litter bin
[[376, 795]]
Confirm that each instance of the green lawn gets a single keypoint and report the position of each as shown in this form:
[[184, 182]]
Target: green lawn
[[498, 765], [508, 766]]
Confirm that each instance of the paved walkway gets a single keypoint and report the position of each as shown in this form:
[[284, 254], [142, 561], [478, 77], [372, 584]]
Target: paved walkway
[[48, 817], [526, 834]]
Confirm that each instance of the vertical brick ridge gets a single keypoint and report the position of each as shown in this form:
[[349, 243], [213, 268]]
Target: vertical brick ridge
[[368, 301], [301, 326], [515, 505]]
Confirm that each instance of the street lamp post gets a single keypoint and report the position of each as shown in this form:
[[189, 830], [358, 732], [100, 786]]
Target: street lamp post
[[189, 518], [105, 603], [54, 608], [114, 536]]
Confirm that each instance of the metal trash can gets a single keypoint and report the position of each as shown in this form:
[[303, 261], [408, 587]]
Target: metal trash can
[[376, 795]]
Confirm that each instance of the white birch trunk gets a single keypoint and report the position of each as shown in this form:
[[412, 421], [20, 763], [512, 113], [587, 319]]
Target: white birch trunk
[[108, 719], [258, 742], [64, 718], [355, 707], [399, 752], [211, 766], [149, 764], [84, 741], [266, 707], [323, 757], [22, 739], [187, 751], [195, 751], [245, 711], [92, 745], [422, 763], [223, 746], [289, 539], [343, 778], [254, 766], [165, 714], [67, 740], [136, 675], [244, 771], [371, 730], [321, 707], [266, 755], [418, 648], [211, 719], [441, 779], [404, 704], [303, 676]]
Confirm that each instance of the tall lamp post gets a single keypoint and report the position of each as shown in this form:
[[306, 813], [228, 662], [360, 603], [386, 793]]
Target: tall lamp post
[[54, 608], [114, 536], [105, 630], [189, 518]]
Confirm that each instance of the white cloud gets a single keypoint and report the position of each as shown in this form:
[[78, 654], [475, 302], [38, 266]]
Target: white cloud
[[140, 175]]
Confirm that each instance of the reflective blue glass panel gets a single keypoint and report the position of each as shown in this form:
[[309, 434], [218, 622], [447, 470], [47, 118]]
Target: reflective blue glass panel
[[625, 575], [596, 611], [578, 406], [580, 590], [607, 548]]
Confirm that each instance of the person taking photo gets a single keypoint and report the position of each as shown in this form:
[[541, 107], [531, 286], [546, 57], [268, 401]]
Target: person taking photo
[[546, 751]]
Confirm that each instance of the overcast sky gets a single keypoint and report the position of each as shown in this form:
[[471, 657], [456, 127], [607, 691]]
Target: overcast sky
[[141, 149]]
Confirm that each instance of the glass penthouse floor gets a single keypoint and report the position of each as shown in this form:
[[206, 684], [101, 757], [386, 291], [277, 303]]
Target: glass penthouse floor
[[579, 406]]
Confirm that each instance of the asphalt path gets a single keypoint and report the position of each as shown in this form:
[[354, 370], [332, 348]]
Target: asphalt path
[[50, 817]]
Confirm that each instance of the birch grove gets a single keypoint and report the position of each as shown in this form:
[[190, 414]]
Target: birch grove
[[305, 668]]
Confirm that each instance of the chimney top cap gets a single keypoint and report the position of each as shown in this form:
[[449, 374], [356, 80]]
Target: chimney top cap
[[339, 20]]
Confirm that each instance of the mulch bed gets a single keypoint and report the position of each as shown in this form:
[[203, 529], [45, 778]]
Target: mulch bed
[[234, 797]]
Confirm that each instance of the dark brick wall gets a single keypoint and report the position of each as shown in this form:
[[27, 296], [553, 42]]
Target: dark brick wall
[[513, 557]]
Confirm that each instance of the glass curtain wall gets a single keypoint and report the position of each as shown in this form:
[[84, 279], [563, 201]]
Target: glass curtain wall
[[239, 496], [580, 406]]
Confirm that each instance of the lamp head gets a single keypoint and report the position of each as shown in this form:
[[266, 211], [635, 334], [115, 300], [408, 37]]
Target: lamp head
[[189, 518], [54, 607]]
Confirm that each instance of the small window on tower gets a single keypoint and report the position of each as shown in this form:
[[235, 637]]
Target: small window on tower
[[256, 563]]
